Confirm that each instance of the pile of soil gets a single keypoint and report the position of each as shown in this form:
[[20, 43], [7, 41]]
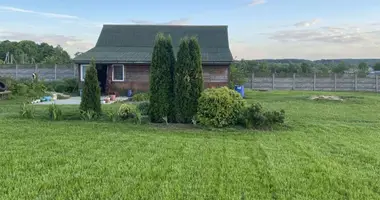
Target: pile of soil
[[326, 97]]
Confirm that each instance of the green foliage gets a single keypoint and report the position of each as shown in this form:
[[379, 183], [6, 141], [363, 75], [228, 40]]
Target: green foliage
[[55, 112], [363, 67], [129, 111], [88, 115], [143, 107], [69, 85], [182, 84], [26, 51], [220, 107], [27, 111], [195, 74], [91, 91], [376, 67], [112, 115], [140, 97], [161, 82], [237, 76], [256, 117]]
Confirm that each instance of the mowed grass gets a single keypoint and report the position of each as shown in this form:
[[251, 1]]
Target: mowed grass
[[328, 150]]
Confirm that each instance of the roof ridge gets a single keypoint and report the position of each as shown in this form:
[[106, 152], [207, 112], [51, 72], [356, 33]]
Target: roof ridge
[[189, 25]]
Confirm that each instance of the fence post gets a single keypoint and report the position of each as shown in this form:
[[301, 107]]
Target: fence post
[[356, 82], [377, 83], [334, 82], [314, 80], [55, 72], [16, 71], [35, 68], [273, 81], [252, 78], [294, 81]]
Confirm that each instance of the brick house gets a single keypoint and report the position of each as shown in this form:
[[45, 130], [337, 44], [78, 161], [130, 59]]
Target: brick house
[[123, 54]]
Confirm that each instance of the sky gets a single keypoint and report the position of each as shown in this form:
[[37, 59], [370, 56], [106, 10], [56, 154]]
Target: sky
[[258, 29]]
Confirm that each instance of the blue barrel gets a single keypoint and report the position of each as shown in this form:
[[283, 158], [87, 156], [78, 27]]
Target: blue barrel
[[240, 89], [129, 93]]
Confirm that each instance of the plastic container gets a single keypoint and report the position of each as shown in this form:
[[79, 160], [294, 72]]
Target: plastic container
[[129, 93], [240, 89]]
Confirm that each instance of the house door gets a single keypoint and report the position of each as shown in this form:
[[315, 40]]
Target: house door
[[102, 77]]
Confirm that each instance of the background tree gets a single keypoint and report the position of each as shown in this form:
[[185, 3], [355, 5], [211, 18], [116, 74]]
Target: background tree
[[376, 67], [161, 82], [363, 67], [182, 84], [27, 51], [195, 74], [91, 91]]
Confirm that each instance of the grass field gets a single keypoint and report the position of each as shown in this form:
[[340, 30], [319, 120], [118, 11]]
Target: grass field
[[329, 150]]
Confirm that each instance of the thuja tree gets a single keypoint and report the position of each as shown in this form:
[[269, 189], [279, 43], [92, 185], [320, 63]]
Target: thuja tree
[[195, 73], [160, 80], [182, 83], [91, 91], [171, 64]]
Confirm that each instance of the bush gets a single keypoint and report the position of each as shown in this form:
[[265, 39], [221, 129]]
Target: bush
[[112, 115], [140, 97], [88, 115], [161, 79], [91, 91], [143, 107], [196, 74], [182, 85], [220, 107], [27, 111], [129, 111], [256, 117], [55, 113]]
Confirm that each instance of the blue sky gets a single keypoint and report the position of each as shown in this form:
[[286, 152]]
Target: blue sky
[[311, 29]]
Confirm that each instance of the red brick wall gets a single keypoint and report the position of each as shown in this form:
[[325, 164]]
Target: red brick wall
[[136, 77]]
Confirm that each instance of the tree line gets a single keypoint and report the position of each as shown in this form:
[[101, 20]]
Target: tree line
[[273, 66], [30, 52]]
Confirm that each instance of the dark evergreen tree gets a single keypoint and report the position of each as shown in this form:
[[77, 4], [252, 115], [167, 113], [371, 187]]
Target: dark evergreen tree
[[91, 91], [195, 73], [171, 63], [182, 83], [160, 80]]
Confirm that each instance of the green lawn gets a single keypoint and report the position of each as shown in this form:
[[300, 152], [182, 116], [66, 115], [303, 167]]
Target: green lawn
[[329, 150]]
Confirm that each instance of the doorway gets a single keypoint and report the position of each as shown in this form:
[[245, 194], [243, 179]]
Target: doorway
[[102, 77]]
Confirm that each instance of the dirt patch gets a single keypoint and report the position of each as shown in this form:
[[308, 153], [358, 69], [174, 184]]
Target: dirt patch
[[326, 97]]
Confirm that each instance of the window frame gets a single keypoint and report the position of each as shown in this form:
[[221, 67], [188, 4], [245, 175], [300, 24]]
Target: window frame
[[113, 71], [81, 71]]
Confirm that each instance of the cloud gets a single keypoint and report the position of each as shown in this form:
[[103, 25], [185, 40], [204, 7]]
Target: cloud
[[70, 43], [307, 23], [182, 21], [46, 14], [332, 35], [257, 2]]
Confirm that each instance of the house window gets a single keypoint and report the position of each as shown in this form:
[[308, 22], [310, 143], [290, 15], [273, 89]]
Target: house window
[[83, 69], [118, 72]]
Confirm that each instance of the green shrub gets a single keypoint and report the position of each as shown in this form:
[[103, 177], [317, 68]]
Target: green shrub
[[60, 87], [220, 107], [55, 112], [161, 79], [88, 115], [27, 111], [129, 111], [140, 97], [143, 107], [20, 89], [112, 115], [91, 91], [182, 85], [256, 117]]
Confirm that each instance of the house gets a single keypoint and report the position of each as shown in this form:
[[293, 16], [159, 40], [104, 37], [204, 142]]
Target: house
[[123, 54]]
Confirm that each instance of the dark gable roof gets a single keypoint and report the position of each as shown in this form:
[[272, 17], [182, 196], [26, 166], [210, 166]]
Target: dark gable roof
[[134, 43]]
